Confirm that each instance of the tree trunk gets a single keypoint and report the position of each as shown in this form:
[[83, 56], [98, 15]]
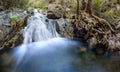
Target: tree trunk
[[83, 4], [118, 1], [89, 7], [78, 7]]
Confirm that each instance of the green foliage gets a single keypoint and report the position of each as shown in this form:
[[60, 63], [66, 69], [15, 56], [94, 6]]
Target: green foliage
[[14, 19], [23, 4], [38, 3], [97, 4], [109, 14]]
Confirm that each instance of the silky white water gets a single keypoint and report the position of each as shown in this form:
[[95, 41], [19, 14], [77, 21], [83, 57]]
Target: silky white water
[[39, 28]]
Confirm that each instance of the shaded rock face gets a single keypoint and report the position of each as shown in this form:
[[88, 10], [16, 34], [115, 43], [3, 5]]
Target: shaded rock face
[[11, 30], [55, 11], [65, 27]]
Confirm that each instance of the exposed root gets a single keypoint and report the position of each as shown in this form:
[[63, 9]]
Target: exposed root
[[91, 26], [103, 21]]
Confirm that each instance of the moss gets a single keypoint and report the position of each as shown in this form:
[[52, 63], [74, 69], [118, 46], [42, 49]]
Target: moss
[[14, 19]]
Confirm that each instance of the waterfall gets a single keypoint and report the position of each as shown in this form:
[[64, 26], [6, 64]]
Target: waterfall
[[43, 50], [39, 28]]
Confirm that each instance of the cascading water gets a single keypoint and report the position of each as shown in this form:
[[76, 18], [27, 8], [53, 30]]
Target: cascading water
[[39, 28], [44, 51]]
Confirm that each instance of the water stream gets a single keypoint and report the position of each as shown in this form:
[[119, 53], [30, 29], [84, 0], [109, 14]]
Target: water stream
[[43, 50], [39, 29]]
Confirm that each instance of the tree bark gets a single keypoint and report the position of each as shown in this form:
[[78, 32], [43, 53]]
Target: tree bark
[[89, 7], [83, 4], [78, 7]]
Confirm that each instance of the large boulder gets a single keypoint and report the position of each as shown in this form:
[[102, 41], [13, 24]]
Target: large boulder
[[55, 11]]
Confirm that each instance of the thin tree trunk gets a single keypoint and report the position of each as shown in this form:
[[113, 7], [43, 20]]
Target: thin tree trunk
[[83, 4], [118, 1], [78, 7], [89, 7]]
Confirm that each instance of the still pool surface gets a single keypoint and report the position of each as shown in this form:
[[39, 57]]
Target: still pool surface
[[55, 55]]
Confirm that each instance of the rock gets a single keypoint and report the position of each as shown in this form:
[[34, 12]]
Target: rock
[[83, 49], [55, 11], [3, 30], [5, 16], [8, 36], [65, 27], [53, 15], [30, 10]]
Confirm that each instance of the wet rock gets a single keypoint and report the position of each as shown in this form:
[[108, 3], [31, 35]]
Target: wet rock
[[55, 11], [30, 10], [53, 15], [83, 49]]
